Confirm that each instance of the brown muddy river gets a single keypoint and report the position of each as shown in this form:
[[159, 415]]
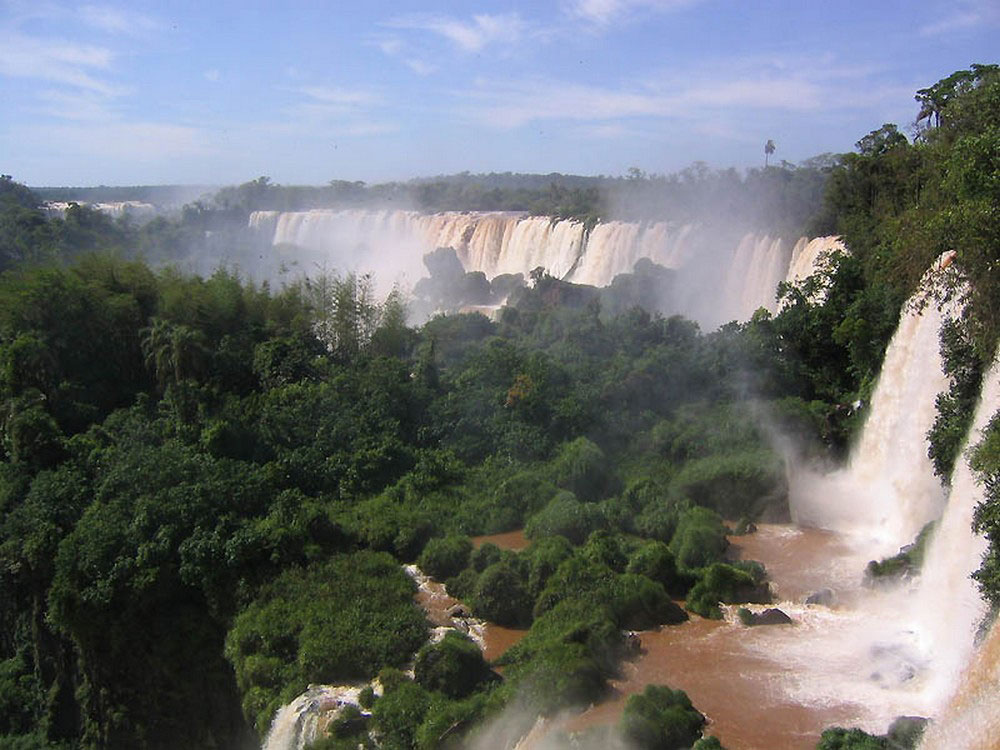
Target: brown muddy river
[[514, 540], [727, 670], [763, 688], [434, 599]]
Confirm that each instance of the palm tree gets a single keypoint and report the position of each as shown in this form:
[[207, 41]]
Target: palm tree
[[768, 150], [173, 352]]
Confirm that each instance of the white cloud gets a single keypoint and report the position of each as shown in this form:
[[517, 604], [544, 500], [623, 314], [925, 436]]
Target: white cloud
[[334, 111], [395, 47], [513, 105], [390, 46], [963, 16], [139, 142], [74, 105], [367, 128], [116, 20], [702, 94], [469, 36], [420, 67], [56, 61], [212, 75], [609, 12], [340, 97]]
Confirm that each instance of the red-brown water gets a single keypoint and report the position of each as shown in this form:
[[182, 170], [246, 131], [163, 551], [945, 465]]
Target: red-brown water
[[726, 669], [513, 540], [498, 639], [435, 601]]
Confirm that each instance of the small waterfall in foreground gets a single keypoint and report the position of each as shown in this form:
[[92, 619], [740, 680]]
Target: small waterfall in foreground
[[888, 491], [951, 608], [971, 720], [899, 648], [300, 723], [720, 277], [305, 719]]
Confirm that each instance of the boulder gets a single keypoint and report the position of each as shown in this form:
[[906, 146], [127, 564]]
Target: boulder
[[459, 612], [770, 616], [825, 597]]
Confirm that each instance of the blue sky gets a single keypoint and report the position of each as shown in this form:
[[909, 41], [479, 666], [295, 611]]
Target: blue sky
[[306, 92]]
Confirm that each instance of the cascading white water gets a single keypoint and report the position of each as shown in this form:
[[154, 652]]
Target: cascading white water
[[720, 277], [758, 265], [888, 491], [900, 649], [947, 601], [807, 255], [297, 724]]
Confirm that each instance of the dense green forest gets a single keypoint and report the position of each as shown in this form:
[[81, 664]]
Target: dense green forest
[[208, 484]]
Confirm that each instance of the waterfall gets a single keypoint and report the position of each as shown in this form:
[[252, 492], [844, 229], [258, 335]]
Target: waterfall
[[758, 265], [298, 724], [915, 639], [948, 600], [720, 277], [807, 254], [888, 490], [972, 717]]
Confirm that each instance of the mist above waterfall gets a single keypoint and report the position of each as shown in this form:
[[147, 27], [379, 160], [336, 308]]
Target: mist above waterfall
[[720, 275]]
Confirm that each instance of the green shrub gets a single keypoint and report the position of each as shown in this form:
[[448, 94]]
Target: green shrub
[[727, 584], [655, 561], [566, 516], [484, 556], [736, 484], [658, 522], [838, 738], [700, 538], [334, 622], [349, 722], [582, 468], [906, 563], [575, 578], [659, 718], [501, 596], [543, 558], [603, 548], [462, 586], [366, 698], [525, 492], [444, 557], [708, 743], [447, 721], [391, 678], [454, 666], [566, 657], [399, 713], [639, 603]]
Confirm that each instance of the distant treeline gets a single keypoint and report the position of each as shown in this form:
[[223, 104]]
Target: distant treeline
[[780, 199], [159, 195]]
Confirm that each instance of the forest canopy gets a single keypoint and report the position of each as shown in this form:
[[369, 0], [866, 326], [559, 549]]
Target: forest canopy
[[208, 484]]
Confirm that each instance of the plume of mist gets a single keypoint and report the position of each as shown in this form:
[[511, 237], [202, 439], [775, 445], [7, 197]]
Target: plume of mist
[[519, 727]]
